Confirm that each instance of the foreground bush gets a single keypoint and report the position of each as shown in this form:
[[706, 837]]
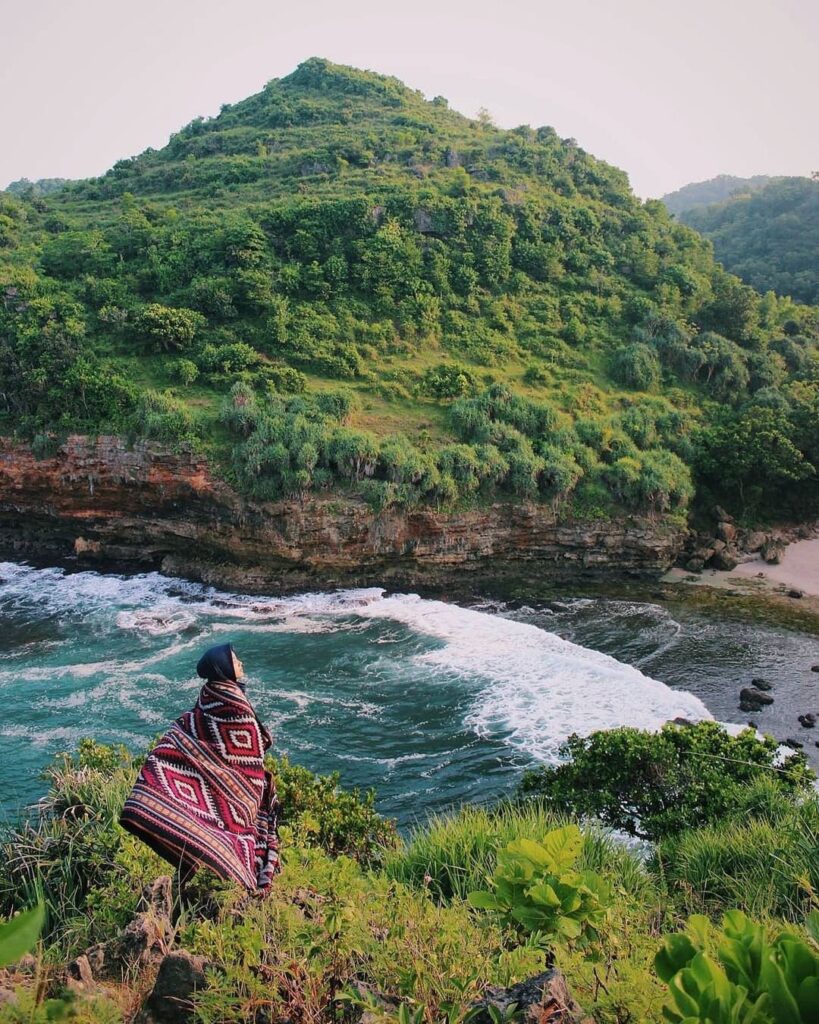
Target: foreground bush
[[537, 889], [737, 974], [654, 785]]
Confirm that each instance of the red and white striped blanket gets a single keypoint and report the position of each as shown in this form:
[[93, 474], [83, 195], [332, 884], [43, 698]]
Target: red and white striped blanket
[[203, 796]]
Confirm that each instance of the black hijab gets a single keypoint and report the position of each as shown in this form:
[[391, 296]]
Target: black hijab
[[216, 664]]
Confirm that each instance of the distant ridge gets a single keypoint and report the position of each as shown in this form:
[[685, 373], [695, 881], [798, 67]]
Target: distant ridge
[[713, 190]]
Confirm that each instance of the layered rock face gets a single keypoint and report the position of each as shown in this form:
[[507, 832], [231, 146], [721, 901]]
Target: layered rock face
[[102, 502]]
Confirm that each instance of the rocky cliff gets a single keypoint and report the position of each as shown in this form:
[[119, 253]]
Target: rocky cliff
[[101, 501]]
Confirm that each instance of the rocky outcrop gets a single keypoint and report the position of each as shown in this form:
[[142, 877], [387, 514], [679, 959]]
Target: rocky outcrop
[[103, 502], [727, 544], [181, 975], [545, 997]]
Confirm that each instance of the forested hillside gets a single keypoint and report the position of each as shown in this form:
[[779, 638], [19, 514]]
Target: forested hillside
[[339, 284], [769, 238], [714, 190]]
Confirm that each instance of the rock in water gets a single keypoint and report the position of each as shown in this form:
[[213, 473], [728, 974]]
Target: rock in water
[[807, 721], [751, 699], [761, 684]]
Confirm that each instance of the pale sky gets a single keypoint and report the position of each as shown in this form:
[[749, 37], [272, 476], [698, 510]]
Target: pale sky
[[671, 92]]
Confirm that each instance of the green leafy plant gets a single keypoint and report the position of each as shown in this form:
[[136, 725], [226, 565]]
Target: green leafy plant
[[20, 934], [537, 890], [737, 975]]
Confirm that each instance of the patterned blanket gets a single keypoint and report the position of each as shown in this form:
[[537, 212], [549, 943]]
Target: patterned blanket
[[203, 796]]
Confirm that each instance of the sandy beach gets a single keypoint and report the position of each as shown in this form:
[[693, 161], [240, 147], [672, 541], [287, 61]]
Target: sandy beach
[[798, 570]]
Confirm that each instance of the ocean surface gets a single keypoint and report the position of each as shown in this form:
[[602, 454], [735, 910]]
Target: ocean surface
[[431, 703]]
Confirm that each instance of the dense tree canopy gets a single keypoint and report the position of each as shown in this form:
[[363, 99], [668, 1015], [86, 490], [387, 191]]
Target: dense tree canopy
[[769, 238], [336, 283]]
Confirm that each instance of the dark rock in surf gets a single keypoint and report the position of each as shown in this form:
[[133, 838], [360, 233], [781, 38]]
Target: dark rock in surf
[[761, 684], [807, 721], [792, 743], [751, 699]]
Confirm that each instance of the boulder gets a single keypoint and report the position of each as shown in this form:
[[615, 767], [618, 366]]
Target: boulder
[[727, 532], [772, 550], [796, 594], [751, 699], [545, 997], [727, 559], [722, 515], [141, 943], [754, 541], [695, 564], [807, 721], [814, 668], [181, 975], [792, 743], [761, 684]]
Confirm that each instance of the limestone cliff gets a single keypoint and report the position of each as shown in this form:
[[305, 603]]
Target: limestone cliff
[[101, 501]]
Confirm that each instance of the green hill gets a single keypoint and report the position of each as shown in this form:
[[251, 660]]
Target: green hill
[[339, 284], [714, 190], [769, 238]]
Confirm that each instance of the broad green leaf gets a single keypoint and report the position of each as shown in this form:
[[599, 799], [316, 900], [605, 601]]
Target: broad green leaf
[[482, 900], [562, 847], [543, 894], [677, 952], [20, 934]]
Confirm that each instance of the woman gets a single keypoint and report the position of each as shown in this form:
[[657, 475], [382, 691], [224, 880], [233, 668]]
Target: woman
[[203, 797]]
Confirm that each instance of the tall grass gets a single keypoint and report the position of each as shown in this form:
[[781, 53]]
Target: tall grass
[[766, 865], [453, 854]]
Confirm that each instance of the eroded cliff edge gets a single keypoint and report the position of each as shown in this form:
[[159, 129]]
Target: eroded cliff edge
[[105, 502]]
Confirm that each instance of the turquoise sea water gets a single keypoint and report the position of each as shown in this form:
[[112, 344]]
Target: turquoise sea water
[[429, 702]]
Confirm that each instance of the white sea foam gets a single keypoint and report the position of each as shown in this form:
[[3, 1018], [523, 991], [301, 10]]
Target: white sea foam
[[528, 687], [536, 687]]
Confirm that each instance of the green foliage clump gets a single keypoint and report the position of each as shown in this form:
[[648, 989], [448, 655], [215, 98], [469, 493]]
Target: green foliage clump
[[737, 974], [321, 814], [166, 329], [636, 366], [655, 785], [537, 889], [764, 858], [449, 380], [767, 236]]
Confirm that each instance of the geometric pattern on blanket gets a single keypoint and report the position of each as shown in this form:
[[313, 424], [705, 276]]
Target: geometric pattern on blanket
[[204, 797]]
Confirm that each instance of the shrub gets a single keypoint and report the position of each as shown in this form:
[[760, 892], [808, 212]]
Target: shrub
[[636, 366], [185, 371], [318, 812], [654, 785], [449, 380], [164, 418], [166, 328], [536, 889]]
